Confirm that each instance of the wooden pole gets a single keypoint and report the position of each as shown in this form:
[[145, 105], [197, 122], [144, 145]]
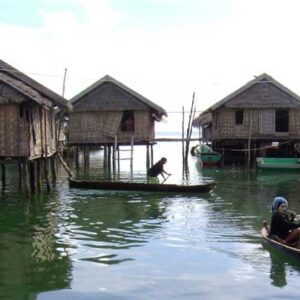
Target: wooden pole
[[147, 158], [3, 174], [249, 143], [3, 177], [64, 82], [182, 125], [39, 174], [46, 173]]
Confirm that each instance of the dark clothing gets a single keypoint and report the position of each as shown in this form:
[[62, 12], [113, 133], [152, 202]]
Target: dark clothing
[[280, 226], [156, 169]]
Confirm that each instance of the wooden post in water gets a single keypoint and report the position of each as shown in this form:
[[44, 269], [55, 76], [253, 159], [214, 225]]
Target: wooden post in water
[[39, 174], [249, 143], [147, 158], [3, 171], [46, 173], [53, 167], [183, 160]]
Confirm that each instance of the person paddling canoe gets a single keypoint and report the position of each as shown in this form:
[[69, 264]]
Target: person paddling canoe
[[156, 169], [282, 226]]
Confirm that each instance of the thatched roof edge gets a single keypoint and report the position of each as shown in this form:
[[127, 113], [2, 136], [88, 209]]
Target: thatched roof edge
[[45, 92], [108, 78], [24, 90]]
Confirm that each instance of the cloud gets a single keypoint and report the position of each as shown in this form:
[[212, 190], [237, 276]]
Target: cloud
[[212, 55]]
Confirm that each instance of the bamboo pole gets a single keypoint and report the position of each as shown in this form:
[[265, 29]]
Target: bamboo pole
[[183, 160], [189, 130], [64, 82]]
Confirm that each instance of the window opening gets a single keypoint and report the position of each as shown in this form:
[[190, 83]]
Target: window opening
[[127, 122], [239, 117], [282, 120]]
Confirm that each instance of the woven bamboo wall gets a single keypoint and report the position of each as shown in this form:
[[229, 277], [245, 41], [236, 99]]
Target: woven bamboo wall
[[261, 121], [22, 133], [14, 132], [102, 127]]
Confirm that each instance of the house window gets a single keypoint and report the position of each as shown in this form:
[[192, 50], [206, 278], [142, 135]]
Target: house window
[[239, 117], [282, 120], [127, 122]]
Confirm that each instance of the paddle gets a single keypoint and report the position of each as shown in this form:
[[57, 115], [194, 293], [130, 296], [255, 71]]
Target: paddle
[[165, 179]]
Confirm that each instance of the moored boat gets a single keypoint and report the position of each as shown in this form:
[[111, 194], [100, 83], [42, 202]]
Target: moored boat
[[277, 243], [136, 186], [286, 163], [206, 155]]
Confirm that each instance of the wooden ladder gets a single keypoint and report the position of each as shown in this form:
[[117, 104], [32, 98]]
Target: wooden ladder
[[117, 153]]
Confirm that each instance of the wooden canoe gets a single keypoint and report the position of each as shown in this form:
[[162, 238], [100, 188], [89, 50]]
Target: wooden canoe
[[135, 186], [264, 233]]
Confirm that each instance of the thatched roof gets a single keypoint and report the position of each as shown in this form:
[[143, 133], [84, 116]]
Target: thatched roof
[[202, 119], [108, 79], [30, 87], [23, 92], [261, 92]]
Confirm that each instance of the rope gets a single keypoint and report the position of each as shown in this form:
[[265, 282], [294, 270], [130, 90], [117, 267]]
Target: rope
[[252, 149]]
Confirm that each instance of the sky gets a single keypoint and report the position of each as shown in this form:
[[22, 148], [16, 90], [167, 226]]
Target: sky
[[166, 50]]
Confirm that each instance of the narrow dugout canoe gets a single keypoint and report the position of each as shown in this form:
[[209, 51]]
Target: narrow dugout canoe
[[264, 233], [135, 186]]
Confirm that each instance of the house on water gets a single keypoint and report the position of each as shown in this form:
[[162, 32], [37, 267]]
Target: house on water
[[110, 114], [246, 123], [31, 126]]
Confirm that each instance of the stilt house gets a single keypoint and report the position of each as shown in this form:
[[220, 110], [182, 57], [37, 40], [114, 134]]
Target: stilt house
[[108, 113], [109, 109], [29, 125], [250, 119]]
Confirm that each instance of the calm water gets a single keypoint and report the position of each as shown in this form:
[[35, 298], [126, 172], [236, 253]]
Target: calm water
[[80, 244]]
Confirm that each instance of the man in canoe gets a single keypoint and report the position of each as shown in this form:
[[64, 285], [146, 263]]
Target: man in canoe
[[156, 169], [283, 225]]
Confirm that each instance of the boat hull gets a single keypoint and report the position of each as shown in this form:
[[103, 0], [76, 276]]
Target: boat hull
[[264, 233], [278, 163], [131, 186], [210, 159]]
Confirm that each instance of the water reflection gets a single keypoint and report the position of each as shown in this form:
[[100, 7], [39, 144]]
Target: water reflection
[[114, 245], [281, 264], [105, 224], [29, 260]]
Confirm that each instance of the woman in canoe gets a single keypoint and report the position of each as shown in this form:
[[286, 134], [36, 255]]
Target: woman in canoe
[[156, 169], [283, 226]]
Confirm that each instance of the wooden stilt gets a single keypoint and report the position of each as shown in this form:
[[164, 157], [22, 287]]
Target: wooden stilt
[[151, 156], [31, 177], [3, 171], [53, 167], [25, 178], [39, 174], [147, 158], [20, 175], [46, 173]]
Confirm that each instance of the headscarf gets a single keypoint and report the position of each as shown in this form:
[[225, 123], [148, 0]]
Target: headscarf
[[277, 202]]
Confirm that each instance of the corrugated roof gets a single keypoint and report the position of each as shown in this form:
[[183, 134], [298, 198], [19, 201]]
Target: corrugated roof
[[44, 92], [108, 78]]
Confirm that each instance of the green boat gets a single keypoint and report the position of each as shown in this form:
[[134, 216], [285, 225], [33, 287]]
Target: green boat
[[289, 163], [206, 155]]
